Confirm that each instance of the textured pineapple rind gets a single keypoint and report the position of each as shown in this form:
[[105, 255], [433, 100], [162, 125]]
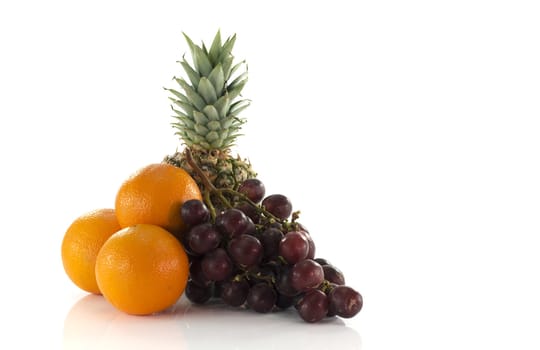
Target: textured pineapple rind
[[222, 169]]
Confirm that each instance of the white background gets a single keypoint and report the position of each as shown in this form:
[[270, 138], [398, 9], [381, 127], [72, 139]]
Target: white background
[[405, 131]]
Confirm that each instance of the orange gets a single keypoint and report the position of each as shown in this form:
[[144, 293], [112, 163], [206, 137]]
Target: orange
[[154, 195], [142, 269], [81, 244]]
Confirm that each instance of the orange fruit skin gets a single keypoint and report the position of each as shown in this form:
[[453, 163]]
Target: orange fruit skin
[[142, 269], [154, 195], [81, 244]]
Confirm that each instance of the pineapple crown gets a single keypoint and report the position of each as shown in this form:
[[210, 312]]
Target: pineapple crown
[[206, 111]]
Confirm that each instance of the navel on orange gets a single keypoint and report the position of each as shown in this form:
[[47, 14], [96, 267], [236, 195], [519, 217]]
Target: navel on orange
[[142, 269], [81, 244], [154, 195]]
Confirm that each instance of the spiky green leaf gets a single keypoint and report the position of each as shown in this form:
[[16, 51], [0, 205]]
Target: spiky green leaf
[[236, 89], [179, 113], [214, 125], [227, 122], [200, 129], [236, 67], [196, 138], [239, 79], [227, 47], [215, 49], [207, 91], [187, 107], [201, 61], [180, 95], [191, 73], [227, 64], [211, 112], [191, 44], [212, 136], [196, 100], [239, 106], [200, 118], [222, 105], [217, 78]]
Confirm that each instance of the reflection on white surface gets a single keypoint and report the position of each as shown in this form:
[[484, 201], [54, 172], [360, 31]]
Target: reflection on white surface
[[92, 323]]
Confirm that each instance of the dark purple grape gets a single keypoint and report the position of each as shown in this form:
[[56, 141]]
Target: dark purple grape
[[306, 274], [279, 205], [344, 301], [294, 247], [234, 293], [311, 250], [234, 222], [253, 189], [313, 306], [216, 265], [203, 238], [250, 211], [245, 250], [331, 312], [216, 292], [322, 261], [194, 212], [284, 284], [251, 228], [333, 274], [285, 302], [261, 297], [270, 239], [198, 294], [196, 273]]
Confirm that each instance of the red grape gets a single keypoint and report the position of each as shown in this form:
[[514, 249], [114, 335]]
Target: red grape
[[279, 205], [253, 189], [306, 274], [245, 250], [216, 265], [294, 247], [313, 306]]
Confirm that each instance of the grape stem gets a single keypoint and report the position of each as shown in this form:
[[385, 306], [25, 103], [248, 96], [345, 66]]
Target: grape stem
[[211, 190]]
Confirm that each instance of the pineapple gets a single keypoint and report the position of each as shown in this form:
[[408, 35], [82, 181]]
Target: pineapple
[[206, 110]]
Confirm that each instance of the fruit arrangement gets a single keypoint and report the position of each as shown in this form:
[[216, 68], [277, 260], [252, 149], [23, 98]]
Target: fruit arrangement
[[200, 222]]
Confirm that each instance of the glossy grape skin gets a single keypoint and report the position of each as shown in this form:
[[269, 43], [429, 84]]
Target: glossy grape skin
[[311, 243], [261, 297], [333, 274], [249, 211], [279, 205], [253, 189], [194, 212], [284, 283], [313, 306], [196, 273], [294, 247], [233, 222], [234, 293], [270, 239], [203, 238], [198, 294], [245, 250], [344, 301], [216, 265], [306, 274]]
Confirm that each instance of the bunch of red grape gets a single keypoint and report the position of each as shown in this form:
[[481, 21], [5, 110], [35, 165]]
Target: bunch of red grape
[[251, 255]]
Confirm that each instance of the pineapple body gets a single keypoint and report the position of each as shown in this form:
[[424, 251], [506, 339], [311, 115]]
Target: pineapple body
[[220, 167]]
